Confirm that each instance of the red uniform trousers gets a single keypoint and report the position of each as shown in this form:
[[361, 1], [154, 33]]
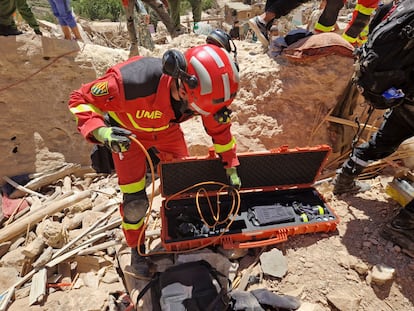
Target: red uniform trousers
[[130, 167], [360, 18]]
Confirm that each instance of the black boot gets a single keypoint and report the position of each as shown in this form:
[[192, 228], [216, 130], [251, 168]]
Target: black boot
[[139, 263], [401, 230], [404, 220], [344, 183], [3, 30], [14, 31], [9, 31]]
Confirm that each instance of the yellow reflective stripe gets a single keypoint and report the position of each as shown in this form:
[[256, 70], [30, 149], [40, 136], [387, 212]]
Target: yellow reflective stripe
[[348, 38], [223, 148], [85, 108], [135, 125], [364, 10], [134, 187], [323, 28], [146, 129], [115, 117], [128, 226]]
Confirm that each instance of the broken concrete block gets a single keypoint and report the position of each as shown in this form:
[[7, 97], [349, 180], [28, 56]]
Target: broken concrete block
[[382, 274], [90, 217], [4, 248], [344, 299], [43, 258], [53, 232], [9, 276], [34, 248], [90, 279], [14, 258], [87, 263], [71, 221]]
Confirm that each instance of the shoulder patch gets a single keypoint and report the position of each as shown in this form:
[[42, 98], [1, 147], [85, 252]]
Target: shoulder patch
[[100, 89]]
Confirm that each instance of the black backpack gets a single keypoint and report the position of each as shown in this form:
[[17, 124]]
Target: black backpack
[[192, 286], [385, 63]]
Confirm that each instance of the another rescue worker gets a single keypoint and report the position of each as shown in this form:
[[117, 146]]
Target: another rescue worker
[[273, 10], [149, 97], [175, 7], [397, 126], [8, 26], [143, 21], [62, 10], [356, 30]]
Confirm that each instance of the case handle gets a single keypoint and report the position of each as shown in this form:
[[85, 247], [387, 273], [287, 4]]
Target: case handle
[[281, 237]]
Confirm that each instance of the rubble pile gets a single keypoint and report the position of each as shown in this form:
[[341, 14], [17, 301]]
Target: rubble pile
[[61, 234]]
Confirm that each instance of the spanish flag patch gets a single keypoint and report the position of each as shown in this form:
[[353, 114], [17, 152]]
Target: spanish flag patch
[[100, 89]]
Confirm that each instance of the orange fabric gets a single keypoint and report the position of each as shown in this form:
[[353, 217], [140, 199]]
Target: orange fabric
[[318, 45], [13, 206]]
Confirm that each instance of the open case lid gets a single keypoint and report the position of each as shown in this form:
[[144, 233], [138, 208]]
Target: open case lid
[[280, 168]]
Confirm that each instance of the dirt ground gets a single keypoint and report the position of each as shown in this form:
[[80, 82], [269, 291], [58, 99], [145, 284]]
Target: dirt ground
[[328, 271], [337, 267]]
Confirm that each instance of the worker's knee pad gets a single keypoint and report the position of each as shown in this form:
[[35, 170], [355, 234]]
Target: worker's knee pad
[[135, 206]]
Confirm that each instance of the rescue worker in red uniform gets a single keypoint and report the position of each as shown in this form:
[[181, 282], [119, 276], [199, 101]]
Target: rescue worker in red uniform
[[360, 18], [149, 97]]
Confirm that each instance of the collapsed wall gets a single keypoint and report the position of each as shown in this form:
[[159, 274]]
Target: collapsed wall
[[38, 75]]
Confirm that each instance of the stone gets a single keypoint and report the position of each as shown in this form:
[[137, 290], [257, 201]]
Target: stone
[[381, 274], [53, 232], [344, 300], [274, 263]]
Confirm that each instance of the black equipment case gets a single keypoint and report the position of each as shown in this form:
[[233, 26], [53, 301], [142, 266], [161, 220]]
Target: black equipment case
[[277, 200]]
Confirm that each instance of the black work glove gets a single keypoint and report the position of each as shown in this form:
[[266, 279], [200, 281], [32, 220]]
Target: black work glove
[[38, 32], [115, 138]]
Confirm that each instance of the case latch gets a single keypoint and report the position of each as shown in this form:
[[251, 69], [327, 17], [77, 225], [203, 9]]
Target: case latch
[[211, 153], [283, 148]]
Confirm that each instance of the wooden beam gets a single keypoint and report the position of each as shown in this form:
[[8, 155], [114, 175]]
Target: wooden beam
[[22, 190], [47, 179], [99, 247], [349, 123], [38, 287], [91, 228]]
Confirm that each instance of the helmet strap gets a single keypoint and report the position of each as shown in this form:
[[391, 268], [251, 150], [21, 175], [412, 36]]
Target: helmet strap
[[223, 115], [181, 91]]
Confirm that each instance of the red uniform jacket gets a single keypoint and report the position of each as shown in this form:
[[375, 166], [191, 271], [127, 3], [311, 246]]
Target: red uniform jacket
[[136, 94]]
